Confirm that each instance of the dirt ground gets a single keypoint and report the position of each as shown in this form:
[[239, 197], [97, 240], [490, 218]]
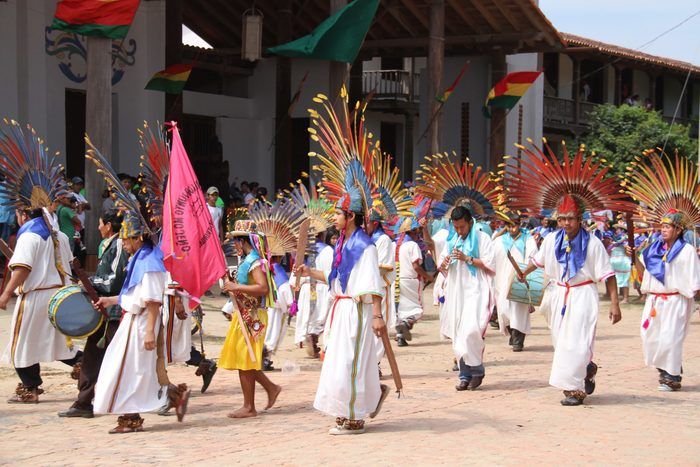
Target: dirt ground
[[514, 418]]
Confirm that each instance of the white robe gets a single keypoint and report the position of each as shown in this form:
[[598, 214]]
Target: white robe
[[128, 382], [32, 337], [468, 302], [513, 314], [573, 334], [178, 332], [308, 320], [277, 318], [410, 285], [662, 341], [349, 382], [386, 254], [440, 239]]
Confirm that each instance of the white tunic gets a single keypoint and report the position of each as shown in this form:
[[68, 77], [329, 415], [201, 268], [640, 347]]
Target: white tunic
[[277, 318], [178, 332], [513, 314], [128, 382], [349, 382], [439, 239], [311, 321], [573, 334], [663, 338], [468, 302], [32, 337], [410, 285], [386, 255]]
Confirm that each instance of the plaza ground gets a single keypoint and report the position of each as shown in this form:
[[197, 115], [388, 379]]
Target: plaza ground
[[514, 418]]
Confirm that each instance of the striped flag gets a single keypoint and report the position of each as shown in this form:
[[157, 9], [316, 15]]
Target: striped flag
[[171, 80], [508, 91], [105, 18], [446, 94]]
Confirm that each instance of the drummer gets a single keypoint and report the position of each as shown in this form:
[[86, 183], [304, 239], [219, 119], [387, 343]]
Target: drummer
[[108, 280], [513, 317]]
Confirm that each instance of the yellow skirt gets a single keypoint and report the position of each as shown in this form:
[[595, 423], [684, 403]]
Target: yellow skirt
[[234, 353]]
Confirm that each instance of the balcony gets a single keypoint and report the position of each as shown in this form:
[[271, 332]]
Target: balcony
[[393, 89], [559, 111]]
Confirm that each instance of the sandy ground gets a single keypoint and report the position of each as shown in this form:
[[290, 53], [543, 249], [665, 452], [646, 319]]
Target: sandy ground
[[515, 418]]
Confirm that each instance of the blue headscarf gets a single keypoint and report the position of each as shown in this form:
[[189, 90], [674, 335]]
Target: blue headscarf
[[469, 246], [347, 255], [656, 256], [147, 259], [571, 253]]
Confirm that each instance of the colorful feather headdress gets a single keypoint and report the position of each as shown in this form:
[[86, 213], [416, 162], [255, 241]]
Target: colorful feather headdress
[[32, 178], [155, 168], [124, 199], [664, 186], [348, 150], [280, 223], [392, 198], [576, 184], [450, 184], [317, 209]]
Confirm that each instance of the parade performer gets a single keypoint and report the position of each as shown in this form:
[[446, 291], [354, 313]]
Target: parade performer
[[277, 315], [669, 266], [129, 382], [349, 387], [386, 251], [576, 259], [313, 299], [175, 334], [108, 281], [33, 182], [620, 261], [513, 317], [460, 190]]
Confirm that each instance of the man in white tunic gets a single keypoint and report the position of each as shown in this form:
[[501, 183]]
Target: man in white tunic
[[468, 264], [513, 317], [411, 277], [319, 315], [277, 315], [386, 252], [128, 383], [39, 269], [578, 261], [671, 279]]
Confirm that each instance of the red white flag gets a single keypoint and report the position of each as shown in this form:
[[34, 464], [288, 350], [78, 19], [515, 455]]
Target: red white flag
[[191, 249]]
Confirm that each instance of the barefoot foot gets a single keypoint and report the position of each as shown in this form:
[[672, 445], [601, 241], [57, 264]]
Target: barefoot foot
[[272, 396], [243, 412]]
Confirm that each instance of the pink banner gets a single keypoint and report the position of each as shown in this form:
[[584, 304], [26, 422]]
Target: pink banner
[[190, 245]]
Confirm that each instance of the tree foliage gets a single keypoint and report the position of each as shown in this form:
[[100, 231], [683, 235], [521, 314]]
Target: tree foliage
[[620, 133]]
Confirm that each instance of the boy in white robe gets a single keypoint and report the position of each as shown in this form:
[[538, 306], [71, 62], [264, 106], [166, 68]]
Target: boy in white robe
[[411, 277], [38, 270], [513, 317], [671, 279], [277, 315], [319, 315], [577, 260], [468, 264]]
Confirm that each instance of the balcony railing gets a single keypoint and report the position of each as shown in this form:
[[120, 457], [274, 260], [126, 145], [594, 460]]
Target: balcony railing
[[559, 110], [398, 85]]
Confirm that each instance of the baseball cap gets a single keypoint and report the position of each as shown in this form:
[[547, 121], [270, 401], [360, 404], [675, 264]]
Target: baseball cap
[[77, 180], [212, 189]]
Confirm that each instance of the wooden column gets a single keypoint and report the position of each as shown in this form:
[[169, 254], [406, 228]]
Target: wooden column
[[98, 126], [436, 59], [173, 54], [576, 90], [652, 88], [338, 72], [618, 86], [497, 134], [356, 91], [283, 78], [407, 159]]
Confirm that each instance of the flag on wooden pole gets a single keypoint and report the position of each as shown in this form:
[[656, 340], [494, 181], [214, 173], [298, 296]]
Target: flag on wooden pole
[[446, 94], [104, 18], [508, 91], [171, 80], [338, 38], [191, 250]]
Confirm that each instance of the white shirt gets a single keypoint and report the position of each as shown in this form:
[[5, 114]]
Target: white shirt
[[216, 216], [409, 253]]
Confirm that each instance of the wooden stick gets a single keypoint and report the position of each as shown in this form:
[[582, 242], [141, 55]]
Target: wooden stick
[[87, 285], [244, 330], [5, 249], [302, 242], [392, 360]]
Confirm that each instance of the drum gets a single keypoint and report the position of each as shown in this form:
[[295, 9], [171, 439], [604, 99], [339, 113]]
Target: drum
[[530, 294], [72, 314]]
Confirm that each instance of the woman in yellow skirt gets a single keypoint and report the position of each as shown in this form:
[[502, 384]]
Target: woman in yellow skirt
[[243, 346]]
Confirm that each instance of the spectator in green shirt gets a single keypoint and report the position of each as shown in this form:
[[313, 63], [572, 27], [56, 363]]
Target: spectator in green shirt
[[68, 220]]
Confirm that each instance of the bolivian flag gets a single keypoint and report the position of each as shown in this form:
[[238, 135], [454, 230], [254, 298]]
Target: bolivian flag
[[104, 18], [508, 91], [171, 80]]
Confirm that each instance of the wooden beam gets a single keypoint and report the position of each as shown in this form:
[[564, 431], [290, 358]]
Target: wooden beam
[[283, 90], [458, 7], [173, 53], [338, 72], [436, 59], [526, 6], [507, 14], [396, 13], [483, 11], [415, 11], [468, 40]]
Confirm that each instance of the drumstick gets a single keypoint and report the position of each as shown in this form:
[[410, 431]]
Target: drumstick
[[87, 285], [515, 265], [5, 249]]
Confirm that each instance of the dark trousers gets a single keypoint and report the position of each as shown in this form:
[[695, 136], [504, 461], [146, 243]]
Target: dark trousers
[[92, 361], [31, 375]]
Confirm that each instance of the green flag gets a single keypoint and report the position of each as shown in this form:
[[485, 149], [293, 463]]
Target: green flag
[[338, 38]]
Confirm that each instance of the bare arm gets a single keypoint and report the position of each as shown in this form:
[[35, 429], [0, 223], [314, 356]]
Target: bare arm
[[635, 261], [378, 324], [421, 272], [152, 308], [304, 271], [615, 313], [19, 275]]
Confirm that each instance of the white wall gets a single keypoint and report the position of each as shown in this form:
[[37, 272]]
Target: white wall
[[8, 57]]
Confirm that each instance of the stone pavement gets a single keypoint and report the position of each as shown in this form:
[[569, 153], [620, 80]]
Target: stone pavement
[[515, 418]]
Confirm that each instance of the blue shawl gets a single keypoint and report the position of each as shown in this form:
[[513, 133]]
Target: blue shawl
[[509, 241], [469, 246], [36, 226], [571, 254], [147, 259], [656, 256], [345, 257], [244, 267]]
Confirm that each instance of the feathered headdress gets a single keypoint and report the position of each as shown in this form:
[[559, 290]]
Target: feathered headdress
[[318, 210], [576, 184], [348, 150], [392, 198], [32, 178], [124, 199], [667, 189], [280, 223], [155, 168], [450, 184]]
